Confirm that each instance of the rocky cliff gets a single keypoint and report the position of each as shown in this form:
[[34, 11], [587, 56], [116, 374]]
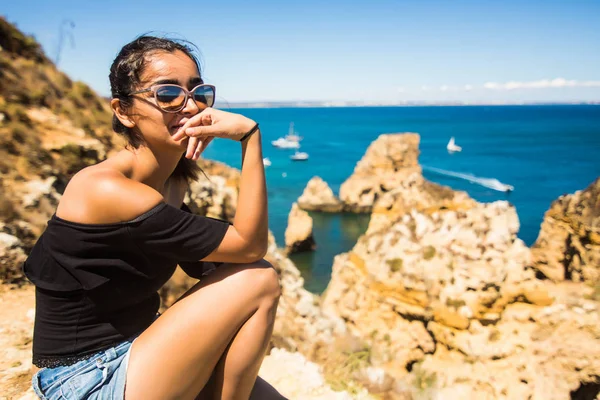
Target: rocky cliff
[[50, 127], [386, 182], [568, 246], [318, 196], [388, 162], [299, 231], [446, 296]]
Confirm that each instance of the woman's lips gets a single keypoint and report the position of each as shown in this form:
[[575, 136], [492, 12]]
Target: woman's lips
[[175, 127]]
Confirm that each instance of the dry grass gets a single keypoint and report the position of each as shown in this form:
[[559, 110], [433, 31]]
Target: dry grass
[[343, 363]]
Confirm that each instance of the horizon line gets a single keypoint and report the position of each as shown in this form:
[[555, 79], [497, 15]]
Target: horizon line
[[333, 104]]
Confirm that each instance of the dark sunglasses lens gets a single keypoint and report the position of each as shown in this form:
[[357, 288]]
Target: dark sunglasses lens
[[205, 95], [170, 98]]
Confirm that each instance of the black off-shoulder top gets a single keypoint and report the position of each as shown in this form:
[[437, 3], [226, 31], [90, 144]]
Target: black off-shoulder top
[[97, 284]]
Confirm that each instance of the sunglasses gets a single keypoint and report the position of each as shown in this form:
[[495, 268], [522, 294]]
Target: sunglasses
[[173, 98]]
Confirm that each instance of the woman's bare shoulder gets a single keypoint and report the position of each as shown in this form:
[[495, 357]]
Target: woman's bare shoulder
[[104, 195]]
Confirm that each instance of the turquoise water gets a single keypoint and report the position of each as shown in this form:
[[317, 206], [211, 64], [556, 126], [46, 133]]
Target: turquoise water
[[543, 151]]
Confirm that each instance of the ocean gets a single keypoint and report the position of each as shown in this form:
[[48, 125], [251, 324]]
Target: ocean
[[543, 151]]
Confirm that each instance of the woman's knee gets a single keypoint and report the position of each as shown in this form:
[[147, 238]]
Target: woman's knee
[[269, 280], [264, 278]]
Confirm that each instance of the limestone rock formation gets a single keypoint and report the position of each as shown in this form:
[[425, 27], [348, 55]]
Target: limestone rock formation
[[387, 182], [301, 325], [299, 232], [215, 194], [568, 246], [389, 160], [450, 309], [416, 193], [450, 267], [318, 196], [532, 352]]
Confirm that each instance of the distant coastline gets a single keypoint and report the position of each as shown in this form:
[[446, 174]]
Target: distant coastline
[[324, 104]]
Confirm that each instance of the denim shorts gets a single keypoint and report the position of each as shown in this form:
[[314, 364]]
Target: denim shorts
[[100, 377]]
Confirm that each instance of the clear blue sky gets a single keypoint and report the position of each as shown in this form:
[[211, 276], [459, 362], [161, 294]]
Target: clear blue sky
[[345, 50]]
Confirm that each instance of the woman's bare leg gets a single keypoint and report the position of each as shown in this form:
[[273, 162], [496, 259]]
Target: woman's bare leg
[[237, 370], [176, 355]]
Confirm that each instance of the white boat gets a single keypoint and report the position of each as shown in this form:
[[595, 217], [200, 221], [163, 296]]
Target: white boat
[[453, 147], [292, 134], [290, 141], [299, 156], [266, 162], [283, 143]]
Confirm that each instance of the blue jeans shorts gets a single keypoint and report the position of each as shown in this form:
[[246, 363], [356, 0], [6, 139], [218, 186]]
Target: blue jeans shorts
[[100, 377]]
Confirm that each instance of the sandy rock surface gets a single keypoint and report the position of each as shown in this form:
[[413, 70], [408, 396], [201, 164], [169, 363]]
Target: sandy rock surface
[[318, 196], [299, 232], [568, 246]]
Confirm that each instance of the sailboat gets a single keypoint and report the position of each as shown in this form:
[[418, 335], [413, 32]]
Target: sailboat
[[292, 135], [453, 147], [290, 141]]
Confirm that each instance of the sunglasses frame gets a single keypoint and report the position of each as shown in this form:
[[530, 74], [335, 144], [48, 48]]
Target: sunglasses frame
[[187, 93]]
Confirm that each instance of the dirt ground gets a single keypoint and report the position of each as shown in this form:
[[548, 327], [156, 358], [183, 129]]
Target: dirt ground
[[16, 329]]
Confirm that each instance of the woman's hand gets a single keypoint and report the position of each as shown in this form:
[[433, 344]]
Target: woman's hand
[[214, 123], [196, 146]]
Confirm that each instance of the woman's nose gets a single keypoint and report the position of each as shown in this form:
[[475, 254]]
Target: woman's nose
[[192, 106]]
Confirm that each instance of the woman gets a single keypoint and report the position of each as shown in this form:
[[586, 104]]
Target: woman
[[118, 234]]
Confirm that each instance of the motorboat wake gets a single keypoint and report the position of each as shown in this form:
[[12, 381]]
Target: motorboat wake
[[491, 183]]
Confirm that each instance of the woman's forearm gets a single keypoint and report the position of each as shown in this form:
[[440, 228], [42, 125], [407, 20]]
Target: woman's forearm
[[251, 218]]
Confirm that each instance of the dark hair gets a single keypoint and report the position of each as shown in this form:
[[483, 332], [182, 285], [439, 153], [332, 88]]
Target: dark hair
[[125, 77]]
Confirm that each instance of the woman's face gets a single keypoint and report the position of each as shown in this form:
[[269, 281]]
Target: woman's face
[[156, 125]]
